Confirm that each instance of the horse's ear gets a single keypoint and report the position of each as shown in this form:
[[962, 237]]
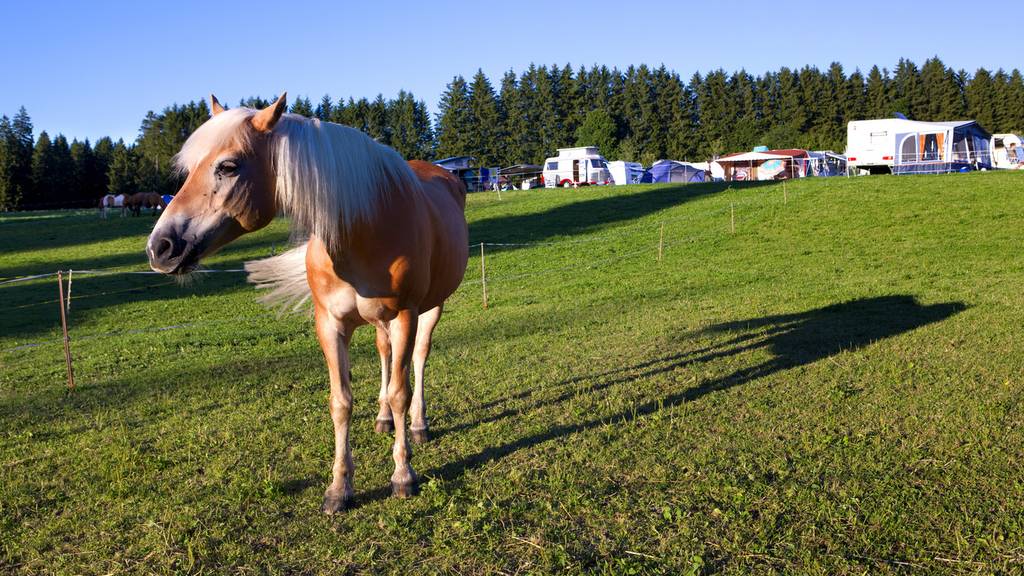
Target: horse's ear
[[215, 106], [266, 119]]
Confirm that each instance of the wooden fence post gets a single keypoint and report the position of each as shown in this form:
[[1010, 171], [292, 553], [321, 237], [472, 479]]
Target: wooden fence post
[[483, 274], [64, 328], [661, 241]]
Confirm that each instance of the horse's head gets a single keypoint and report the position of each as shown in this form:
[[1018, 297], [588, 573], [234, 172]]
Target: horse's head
[[229, 189]]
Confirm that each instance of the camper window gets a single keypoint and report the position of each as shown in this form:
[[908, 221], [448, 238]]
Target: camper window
[[552, 165], [596, 163]]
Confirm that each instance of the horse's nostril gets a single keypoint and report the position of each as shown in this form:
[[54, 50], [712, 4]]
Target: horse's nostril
[[164, 247]]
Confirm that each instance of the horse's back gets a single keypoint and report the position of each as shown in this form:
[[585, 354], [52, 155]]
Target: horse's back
[[437, 180], [446, 196]]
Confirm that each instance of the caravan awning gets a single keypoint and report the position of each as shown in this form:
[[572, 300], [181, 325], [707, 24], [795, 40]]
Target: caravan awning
[[753, 157]]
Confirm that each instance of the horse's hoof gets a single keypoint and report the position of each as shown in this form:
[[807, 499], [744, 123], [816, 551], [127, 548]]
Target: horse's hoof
[[419, 436], [384, 426], [404, 490], [334, 504]]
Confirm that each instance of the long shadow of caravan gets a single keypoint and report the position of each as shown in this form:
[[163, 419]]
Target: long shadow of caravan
[[792, 339]]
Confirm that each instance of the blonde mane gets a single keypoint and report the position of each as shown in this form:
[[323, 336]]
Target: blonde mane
[[329, 177]]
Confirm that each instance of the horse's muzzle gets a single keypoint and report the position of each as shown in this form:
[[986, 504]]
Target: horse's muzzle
[[170, 254]]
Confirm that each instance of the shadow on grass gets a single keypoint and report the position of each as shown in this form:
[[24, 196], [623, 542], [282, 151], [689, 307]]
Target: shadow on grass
[[792, 340], [36, 231], [30, 308], [582, 217]]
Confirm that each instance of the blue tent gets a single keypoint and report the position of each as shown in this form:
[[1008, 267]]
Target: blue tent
[[674, 171]]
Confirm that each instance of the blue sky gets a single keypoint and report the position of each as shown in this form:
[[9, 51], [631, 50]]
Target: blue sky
[[93, 68]]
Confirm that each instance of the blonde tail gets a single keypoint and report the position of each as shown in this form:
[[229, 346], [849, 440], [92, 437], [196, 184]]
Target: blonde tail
[[284, 276]]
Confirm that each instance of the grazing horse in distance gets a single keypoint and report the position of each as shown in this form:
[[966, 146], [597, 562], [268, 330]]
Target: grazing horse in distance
[[152, 200], [106, 203], [111, 201], [387, 245]]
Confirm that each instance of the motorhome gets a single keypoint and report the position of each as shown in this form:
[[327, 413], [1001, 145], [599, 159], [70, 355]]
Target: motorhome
[[1007, 152], [898, 145], [581, 166]]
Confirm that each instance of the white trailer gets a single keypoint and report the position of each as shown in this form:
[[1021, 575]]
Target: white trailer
[[581, 166], [883, 146]]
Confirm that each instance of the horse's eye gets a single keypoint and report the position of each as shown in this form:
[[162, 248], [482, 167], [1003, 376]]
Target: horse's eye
[[227, 168]]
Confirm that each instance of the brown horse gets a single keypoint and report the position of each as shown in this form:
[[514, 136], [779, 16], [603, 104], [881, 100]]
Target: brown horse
[[152, 200], [387, 245]]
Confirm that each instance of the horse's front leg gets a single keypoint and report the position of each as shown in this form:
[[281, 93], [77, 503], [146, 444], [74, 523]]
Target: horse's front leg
[[403, 337], [334, 338], [384, 422]]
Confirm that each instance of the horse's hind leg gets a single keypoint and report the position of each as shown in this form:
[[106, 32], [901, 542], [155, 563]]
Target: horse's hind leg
[[334, 338], [418, 409], [403, 337], [384, 422]]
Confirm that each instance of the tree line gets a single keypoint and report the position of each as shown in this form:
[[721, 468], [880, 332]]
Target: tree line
[[638, 114]]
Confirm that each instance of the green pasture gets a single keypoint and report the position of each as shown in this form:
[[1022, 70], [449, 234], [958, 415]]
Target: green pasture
[[821, 379]]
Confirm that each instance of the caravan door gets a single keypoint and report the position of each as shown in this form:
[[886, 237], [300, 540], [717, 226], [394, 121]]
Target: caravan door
[[906, 153]]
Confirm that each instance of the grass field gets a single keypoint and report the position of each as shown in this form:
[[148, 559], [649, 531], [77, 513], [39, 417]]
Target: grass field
[[836, 387]]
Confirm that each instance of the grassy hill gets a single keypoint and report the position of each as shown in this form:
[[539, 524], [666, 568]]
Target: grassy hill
[[823, 379]]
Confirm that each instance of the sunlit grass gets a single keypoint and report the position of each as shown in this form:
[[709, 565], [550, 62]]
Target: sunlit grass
[[834, 387]]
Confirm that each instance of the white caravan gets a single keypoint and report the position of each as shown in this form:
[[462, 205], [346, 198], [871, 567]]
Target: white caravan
[[1007, 152], [576, 167], [623, 172], [896, 144]]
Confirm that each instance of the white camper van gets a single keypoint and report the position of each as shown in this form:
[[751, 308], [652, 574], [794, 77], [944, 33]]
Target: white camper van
[[576, 167]]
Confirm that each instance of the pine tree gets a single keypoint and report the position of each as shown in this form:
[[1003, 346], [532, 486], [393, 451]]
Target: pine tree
[[42, 193], [856, 104], [906, 95], [515, 133], [122, 173], [1015, 100], [409, 127], [879, 100], [544, 118], [453, 120], [791, 119], [8, 201], [839, 88], [747, 126], [62, 175], [339, 113], [377, 120], [820, 108], [81, 160], [980, 97], [103, 154], [255, 102], [640, 114], [325, 109], [717, 113], [20, 147], [161, 136], [598, 129], [1002, 103], [303, 107], [940, 93], [484, 122]]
